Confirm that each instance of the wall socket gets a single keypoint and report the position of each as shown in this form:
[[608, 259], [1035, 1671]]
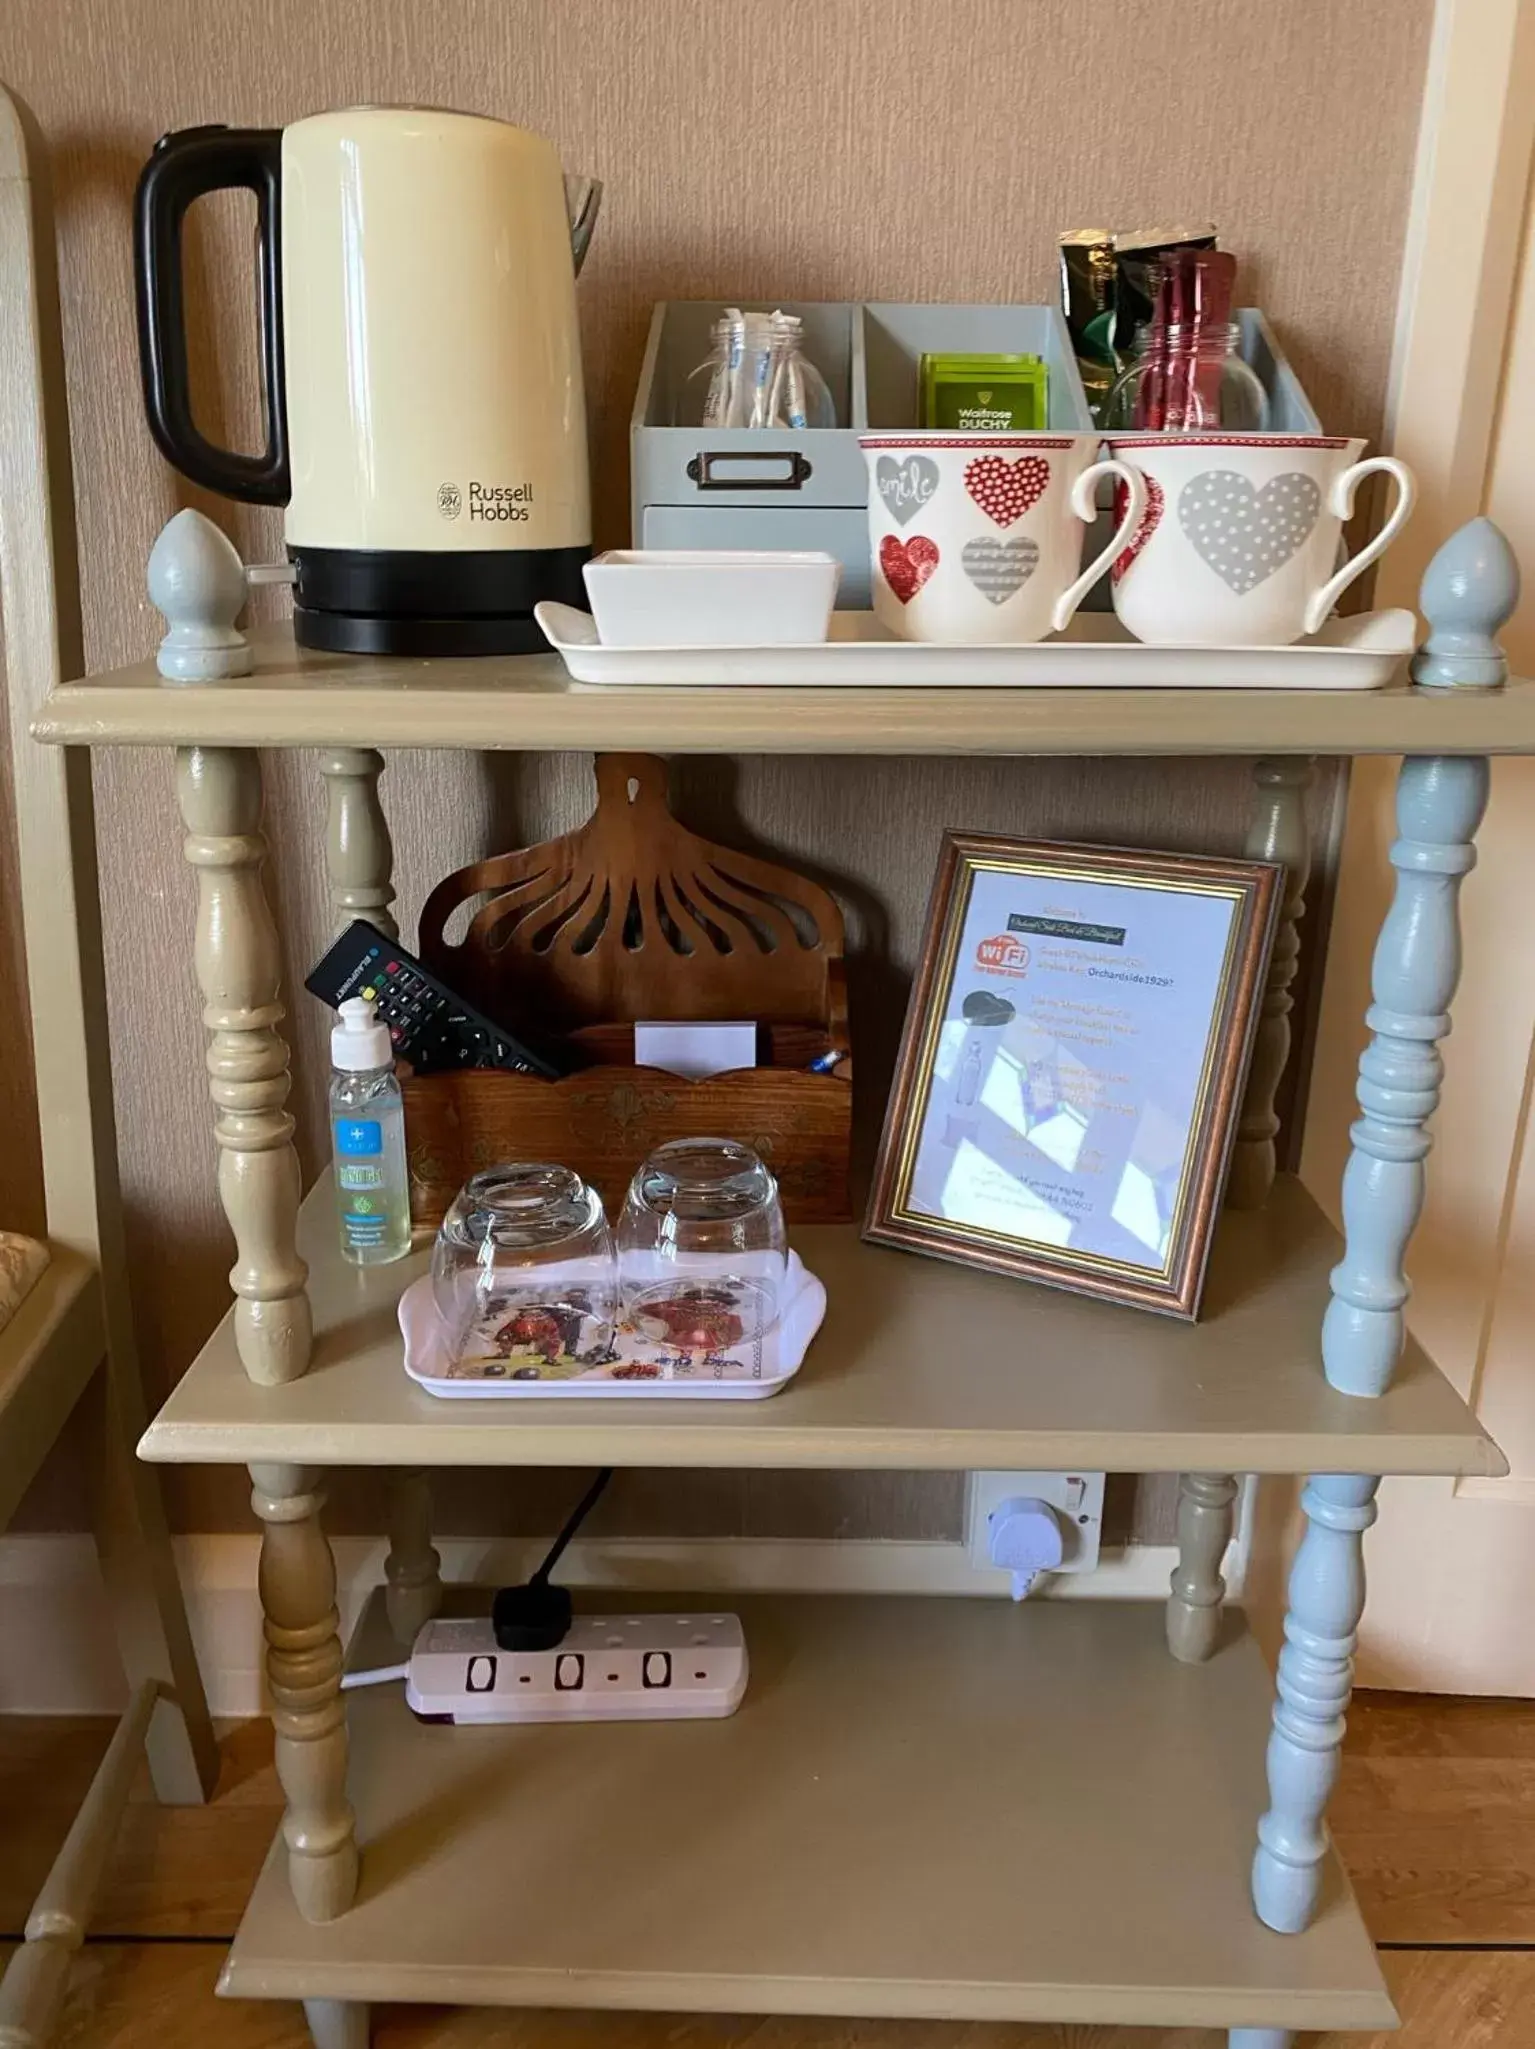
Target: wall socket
[[1077, 1496]]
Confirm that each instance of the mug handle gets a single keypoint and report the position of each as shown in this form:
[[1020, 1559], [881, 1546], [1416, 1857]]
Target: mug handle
[[1084, 503], [1340, 502]]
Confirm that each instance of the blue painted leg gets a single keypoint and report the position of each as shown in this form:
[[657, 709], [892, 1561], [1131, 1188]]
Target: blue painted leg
[[1439, 805], [1316, 1676], [1261, 2038]]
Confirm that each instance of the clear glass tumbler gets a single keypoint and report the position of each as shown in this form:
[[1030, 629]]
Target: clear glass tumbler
[[1189, 380], [524, 1274], [702, 1252]]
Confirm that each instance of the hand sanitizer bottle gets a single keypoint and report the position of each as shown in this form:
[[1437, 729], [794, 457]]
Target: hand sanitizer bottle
[[367, 1122]]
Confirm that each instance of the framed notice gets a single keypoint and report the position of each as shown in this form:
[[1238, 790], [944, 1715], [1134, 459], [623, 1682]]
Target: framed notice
[[1072, 1063]]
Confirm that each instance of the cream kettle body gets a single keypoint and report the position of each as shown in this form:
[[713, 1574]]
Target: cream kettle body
[[426, 424]]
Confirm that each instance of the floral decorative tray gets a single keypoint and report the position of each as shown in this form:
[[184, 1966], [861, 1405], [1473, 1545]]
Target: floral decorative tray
[[530, 1363]]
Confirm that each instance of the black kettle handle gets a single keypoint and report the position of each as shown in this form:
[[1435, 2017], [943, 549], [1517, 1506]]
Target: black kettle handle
[[185, 165]]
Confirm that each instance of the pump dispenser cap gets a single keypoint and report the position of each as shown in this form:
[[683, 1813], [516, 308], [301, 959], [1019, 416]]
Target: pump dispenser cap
[[360, 1044]]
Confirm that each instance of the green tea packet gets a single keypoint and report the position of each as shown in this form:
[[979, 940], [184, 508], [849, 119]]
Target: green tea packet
[[983, 394]]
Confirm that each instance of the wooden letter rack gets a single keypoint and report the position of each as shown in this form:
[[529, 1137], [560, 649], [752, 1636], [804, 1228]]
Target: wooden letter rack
[[629, 918]]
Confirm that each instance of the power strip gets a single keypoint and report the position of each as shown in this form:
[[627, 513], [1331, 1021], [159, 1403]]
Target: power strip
[[610, 1668]]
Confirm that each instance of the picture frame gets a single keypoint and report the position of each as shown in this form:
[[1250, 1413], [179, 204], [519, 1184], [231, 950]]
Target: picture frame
[[1067, 1087]]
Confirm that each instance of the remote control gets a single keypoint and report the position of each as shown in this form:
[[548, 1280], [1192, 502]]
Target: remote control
[[428, 1024]]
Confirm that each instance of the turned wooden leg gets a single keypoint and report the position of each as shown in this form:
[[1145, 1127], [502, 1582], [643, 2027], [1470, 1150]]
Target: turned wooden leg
[[411, 1569], [239, 970], [1439, 805], [1278, 834], [337, 2023], [1205, 1515], [359, 857], [1315, 1679], [298, 1601]]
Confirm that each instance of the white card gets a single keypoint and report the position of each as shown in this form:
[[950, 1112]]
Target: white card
[[695, 1051]]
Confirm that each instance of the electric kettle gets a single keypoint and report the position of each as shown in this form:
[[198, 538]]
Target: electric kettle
[[425, 423]]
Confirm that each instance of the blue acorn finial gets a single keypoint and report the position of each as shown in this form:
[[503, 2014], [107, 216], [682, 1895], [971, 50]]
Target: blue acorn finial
[[196, 578], [1468, 591]]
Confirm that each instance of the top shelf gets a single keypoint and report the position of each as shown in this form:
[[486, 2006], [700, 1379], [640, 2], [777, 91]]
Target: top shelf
[[297, 698]]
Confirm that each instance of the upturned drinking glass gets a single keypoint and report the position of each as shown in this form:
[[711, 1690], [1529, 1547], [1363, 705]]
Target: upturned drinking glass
[[524, 1274], [702, 1253]]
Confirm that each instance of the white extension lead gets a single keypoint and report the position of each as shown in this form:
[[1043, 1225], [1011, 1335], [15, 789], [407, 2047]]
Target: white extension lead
[[609, 1668]]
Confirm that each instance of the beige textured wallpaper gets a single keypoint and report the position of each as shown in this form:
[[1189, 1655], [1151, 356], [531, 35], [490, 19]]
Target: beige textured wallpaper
[[822, 149]]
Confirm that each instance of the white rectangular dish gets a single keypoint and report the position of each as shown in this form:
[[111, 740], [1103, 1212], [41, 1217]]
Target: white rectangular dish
[[698, 597], [1364, 652]]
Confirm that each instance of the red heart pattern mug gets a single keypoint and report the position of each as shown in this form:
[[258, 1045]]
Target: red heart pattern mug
[[978, 537]]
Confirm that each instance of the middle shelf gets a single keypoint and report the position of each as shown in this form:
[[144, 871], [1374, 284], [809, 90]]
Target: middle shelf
[[920, 1366]]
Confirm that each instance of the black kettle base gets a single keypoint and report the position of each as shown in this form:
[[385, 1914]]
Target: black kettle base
[[361, 633], [420, 601]]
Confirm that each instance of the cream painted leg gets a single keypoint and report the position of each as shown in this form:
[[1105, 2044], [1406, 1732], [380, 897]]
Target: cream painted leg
[[337, 2023], [1439, 805], [411, 1569], [1278, 834], [298, 1601], [1315, 1679], [359, 857], [1205, 1515], [238, 968]]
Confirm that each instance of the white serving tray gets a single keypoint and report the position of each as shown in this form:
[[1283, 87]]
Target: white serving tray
[[1364, 652], [748, 1374]]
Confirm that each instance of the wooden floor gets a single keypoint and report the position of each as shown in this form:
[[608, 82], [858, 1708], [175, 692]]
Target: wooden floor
[[1435, 1815]]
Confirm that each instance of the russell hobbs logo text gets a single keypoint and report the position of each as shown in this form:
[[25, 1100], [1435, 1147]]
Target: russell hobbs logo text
[[502, 502]]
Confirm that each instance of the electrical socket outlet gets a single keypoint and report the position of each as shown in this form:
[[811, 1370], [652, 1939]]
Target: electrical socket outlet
[[1077, 1496]]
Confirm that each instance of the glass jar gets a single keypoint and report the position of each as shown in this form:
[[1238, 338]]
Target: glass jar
[[756, 375], [1188, 379], [702, 1251], [524, 1276]]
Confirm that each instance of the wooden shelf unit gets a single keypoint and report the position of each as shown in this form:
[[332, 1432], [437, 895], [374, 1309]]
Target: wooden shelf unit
[[940, 1808], [1035, 1380], [933, 1808]]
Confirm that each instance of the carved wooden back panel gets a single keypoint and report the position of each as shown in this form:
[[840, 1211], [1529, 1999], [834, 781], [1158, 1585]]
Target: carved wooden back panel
[[633, 916]]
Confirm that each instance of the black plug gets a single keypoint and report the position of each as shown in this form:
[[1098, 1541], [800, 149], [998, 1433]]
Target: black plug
[[537, 1617], [531, 1618]]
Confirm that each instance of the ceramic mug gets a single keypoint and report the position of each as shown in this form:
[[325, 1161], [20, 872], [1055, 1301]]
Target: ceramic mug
[[1238, 545], [978, 537]]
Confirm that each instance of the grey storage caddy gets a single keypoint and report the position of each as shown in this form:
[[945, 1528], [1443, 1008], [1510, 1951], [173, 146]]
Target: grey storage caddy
[[738, 487]]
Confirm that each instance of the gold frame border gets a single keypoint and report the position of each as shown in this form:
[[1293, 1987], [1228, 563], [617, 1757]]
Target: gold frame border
[[1253, 889]]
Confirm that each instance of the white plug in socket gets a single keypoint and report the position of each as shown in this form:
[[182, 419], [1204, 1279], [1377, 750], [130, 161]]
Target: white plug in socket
[[1026, 1524]]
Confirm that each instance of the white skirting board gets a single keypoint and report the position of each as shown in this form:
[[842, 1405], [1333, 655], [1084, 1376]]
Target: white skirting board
[[58, 1655]]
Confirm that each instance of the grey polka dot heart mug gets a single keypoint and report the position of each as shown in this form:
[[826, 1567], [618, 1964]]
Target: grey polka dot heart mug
[[1238, 542]]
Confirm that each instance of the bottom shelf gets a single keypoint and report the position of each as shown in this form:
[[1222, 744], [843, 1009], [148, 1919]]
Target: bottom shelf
[[939, 1808]]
